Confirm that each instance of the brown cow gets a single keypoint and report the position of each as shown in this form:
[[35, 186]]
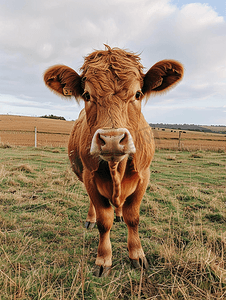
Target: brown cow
[[111, 145]]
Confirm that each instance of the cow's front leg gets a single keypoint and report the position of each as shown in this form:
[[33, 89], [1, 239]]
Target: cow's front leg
[[131, 210], [104, 221], [105, 218], [91, 217]]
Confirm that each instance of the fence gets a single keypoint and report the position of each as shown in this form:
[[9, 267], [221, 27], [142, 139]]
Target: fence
[[33, 138], [164, 139]]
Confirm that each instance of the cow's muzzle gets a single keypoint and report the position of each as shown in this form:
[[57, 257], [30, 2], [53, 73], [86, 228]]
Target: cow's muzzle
[[112, 144]]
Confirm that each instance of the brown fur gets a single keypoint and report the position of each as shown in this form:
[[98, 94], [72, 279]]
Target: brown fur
[[112, 78]]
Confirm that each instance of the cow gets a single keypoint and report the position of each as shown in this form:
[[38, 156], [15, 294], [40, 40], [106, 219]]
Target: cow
[[111, 146]]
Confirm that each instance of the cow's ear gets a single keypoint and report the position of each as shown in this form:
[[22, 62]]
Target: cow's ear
[[64, 81], [162, 76]]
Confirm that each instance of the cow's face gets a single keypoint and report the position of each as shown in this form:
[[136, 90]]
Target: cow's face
[[113, 117], [113, 85], [113, 108]]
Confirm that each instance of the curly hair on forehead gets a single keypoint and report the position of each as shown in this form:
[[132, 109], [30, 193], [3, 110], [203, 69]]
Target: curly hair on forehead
[[119, 62]]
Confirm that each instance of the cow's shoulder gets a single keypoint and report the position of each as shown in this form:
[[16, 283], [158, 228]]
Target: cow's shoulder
[[75, 144], [145, 145]]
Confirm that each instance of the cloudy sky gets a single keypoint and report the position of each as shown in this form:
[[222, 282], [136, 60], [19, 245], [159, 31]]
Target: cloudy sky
[[37, 34]]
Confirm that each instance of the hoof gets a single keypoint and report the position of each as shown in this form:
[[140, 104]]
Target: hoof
[[89, 225], [139, 263], [101, 271], [119, 219]]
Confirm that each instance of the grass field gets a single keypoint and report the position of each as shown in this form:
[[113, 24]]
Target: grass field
[[19, 131], [45, 252]]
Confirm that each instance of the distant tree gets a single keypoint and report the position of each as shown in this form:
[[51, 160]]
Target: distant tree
[[53, 117]]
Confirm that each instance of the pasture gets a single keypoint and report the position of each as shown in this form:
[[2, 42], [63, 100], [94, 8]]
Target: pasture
[[46, 253]]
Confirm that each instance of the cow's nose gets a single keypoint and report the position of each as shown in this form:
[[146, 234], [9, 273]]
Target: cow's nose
[[114, 142]]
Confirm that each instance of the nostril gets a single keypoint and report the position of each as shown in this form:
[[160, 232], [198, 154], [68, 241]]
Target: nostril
[[123, 139], [101, 140]]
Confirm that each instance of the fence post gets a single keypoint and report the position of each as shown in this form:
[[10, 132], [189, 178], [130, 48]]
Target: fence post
[[35, 137], [179, 145]]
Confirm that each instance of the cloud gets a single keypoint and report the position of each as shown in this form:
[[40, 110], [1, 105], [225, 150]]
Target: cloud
[[37, 34], [186, 115]]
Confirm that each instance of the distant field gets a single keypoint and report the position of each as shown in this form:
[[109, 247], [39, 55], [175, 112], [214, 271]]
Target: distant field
[[189, 140], [19, 131], [216, 128], [45, 252]]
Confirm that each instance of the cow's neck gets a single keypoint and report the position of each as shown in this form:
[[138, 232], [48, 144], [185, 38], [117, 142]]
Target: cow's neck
[[117, 171]]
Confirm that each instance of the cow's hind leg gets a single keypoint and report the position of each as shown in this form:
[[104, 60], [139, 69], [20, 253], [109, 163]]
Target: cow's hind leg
[[91, 217], [118, 212], [131, 210]]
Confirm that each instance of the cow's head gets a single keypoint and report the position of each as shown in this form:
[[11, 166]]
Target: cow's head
[[112, 84]]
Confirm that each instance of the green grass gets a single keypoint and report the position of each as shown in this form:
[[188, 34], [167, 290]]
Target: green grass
[[45, 252]]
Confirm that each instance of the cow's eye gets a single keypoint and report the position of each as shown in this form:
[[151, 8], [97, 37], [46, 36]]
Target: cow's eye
[[138, 95], [86, 96]]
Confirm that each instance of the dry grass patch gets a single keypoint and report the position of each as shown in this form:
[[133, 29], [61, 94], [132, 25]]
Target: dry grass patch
[[24, 168]]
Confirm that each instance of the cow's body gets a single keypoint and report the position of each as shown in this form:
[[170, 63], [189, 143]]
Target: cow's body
[[111, 145]]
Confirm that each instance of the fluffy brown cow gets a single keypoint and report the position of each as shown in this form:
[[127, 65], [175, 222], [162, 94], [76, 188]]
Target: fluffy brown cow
[[111, 145]]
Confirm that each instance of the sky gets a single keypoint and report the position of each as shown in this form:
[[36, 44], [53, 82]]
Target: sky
[[35, 35]]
